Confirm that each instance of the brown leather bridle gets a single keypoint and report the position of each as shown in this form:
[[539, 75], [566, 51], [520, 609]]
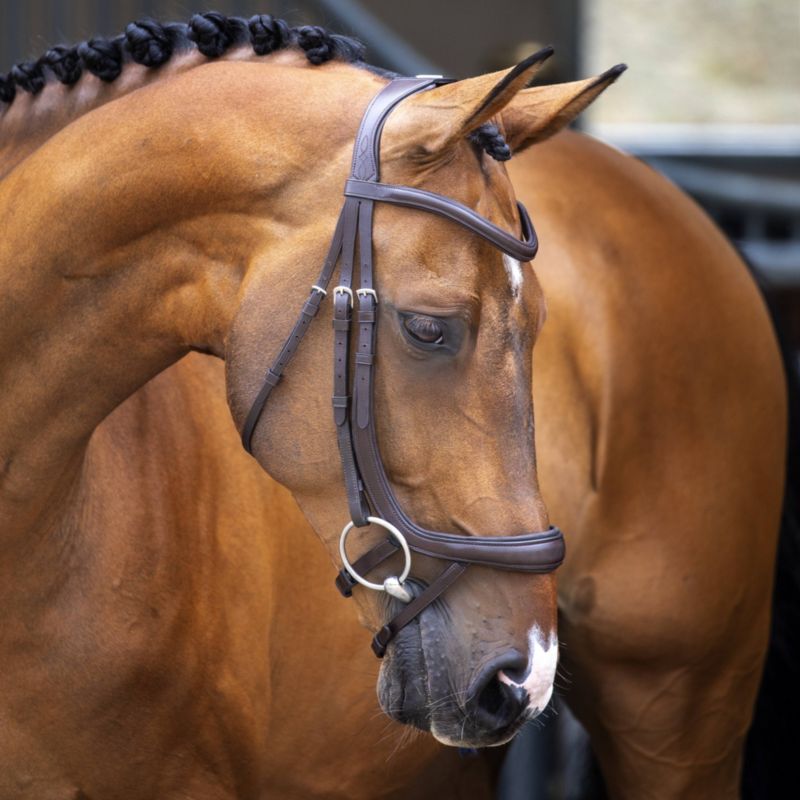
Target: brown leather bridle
[[365, 478]]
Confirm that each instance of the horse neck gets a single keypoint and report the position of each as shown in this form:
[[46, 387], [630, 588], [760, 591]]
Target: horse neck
[[32, 119], [121, 256]]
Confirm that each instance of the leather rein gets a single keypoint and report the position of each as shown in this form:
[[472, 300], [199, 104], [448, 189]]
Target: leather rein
[[371, 499]]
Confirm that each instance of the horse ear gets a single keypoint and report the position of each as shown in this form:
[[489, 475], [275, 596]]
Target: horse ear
[[537, 113], [449, 113]]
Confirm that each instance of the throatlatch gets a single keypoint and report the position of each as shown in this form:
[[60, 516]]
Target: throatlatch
[[371, 499]]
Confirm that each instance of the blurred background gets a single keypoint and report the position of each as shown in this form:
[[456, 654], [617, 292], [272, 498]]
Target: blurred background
[[712, 99]]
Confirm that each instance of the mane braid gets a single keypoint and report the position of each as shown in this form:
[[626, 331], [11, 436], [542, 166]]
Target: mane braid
[[152, 44], [489, 138]]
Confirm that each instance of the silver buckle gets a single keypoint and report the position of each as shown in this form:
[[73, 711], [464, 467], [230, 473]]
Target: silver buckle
[[362, 292], [319, 289], [344, 290]]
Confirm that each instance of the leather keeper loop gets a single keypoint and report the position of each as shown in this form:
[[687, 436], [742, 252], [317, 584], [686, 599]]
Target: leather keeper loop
[[310, 308], [341, 324], [345, 583], [365, 358], [272, 378], [381, 640], [340, 401], [367, 316]]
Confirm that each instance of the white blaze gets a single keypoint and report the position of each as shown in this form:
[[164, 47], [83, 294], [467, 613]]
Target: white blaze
[[542, 661], [514, 272]]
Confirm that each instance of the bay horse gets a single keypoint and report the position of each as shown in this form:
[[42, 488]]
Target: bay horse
[[155, 203], [171, 626]]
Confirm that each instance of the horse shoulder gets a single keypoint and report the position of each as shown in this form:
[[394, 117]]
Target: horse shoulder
[[660, 397], [139, 622], [661, 428]]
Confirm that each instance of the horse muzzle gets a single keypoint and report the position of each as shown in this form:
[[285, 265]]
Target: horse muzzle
[[422, 684]]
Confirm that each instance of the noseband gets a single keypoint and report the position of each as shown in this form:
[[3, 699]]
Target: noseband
[[369, 493]]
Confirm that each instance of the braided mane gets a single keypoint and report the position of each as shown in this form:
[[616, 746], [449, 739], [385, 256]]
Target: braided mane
[[152, 44]]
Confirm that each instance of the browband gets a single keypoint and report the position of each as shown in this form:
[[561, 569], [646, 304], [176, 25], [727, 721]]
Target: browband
[[522, 249], [371, 499]]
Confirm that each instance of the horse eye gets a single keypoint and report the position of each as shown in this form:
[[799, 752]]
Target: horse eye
[[427, 330]]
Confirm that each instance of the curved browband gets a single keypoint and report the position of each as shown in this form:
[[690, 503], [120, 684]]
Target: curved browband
[[365, 478]]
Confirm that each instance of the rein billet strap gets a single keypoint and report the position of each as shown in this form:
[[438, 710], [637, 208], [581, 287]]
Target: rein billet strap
[[370, 497]]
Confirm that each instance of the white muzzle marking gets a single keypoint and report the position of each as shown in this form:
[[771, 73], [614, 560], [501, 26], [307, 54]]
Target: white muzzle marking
[[542, 662]]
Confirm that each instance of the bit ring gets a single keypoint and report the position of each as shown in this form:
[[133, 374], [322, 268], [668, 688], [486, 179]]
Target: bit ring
[[395, 582]]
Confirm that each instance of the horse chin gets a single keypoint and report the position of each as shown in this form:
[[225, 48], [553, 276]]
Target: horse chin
[[456, 735]]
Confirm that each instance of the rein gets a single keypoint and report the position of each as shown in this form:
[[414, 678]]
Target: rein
[[370, 497]]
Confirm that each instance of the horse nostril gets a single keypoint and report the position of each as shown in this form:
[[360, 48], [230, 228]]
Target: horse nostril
[[498, 705]]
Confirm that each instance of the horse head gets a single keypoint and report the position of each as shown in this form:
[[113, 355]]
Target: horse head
[[456, 324]]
